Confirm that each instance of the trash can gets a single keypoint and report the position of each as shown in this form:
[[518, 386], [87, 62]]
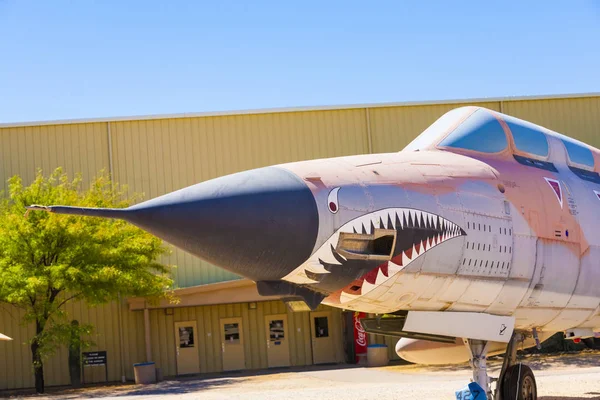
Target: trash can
[[144, 373], [377, 355]]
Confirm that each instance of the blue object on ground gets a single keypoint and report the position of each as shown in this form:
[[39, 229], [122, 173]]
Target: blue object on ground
[[471, 392]]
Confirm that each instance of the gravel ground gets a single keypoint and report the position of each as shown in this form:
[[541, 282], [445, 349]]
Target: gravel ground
[[569, 377]]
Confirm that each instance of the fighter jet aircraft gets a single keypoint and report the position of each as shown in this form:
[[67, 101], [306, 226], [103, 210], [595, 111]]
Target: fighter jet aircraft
[[481, 233]]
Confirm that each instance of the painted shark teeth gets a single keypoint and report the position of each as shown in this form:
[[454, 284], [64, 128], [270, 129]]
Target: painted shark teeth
[[433, 229], [380, 277], [405, 259], [367, 287], [427, 229], [328, 258], [393, 268], [317, 268]]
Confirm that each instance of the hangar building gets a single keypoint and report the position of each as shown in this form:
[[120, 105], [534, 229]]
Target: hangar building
[[221, 323]]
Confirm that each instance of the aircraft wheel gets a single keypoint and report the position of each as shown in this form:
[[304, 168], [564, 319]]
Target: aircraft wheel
[[519, 383]]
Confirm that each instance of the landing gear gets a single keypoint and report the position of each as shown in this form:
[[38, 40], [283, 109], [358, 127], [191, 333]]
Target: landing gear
[[519, 383], [479, 349], [516, 381]]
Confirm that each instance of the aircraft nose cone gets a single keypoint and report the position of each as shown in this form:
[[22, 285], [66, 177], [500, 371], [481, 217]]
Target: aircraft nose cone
[[260, 224]]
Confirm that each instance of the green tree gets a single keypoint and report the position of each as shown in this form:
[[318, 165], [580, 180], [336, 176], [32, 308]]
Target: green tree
[[48, 260]]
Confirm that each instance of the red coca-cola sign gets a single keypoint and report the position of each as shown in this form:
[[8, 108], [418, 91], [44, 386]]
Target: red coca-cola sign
[[360, 336]]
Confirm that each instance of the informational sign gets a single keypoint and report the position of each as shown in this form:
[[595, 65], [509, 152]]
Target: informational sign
[[360, 336], [94, 358], [276, 331]]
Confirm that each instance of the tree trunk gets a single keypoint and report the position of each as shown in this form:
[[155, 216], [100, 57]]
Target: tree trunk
[[75, 357], [38, 366]]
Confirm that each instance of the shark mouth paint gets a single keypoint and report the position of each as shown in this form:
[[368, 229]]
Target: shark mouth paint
[[369, 250]]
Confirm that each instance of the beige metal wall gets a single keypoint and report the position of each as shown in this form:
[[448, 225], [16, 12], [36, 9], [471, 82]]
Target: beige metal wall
[[78, 148], [15, 356], [255, 336]]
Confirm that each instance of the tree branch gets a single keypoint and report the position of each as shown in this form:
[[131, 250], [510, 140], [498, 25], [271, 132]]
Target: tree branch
[[68, 299], [12, 305], [53, 294]]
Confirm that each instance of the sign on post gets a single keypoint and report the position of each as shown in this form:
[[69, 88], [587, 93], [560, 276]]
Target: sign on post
[[95, 359]]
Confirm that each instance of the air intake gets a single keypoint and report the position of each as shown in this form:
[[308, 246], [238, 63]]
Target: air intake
[[378, 245]]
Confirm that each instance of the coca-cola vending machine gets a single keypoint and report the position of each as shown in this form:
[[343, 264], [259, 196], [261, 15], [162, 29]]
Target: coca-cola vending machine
[[360, 337]]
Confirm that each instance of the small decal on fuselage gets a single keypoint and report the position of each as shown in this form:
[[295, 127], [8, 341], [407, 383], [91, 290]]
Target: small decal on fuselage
[[597, 193], [332, 201], [555, 185], [502, 329]]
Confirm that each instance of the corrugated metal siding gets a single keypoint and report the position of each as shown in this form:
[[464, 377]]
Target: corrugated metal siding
[[78, 148], [578, 118], [158, 156], [15, 355], [392, 128], [253, 323]]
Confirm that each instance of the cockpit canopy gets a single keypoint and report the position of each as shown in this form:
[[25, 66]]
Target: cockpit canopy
[[477, 129]]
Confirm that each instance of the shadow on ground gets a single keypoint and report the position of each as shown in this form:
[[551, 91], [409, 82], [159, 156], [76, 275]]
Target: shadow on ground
[[205, 382], [170, 387], [567, 398], [537, 362]]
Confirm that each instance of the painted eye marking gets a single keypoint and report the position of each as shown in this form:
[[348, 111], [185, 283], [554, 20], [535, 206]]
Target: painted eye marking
[[332, 200]]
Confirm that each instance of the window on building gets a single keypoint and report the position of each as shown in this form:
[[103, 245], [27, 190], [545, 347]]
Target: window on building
[[276, 330], [186, 336], [528, 138], [578, 154], [232, 333], [321, 327], [481, 131]]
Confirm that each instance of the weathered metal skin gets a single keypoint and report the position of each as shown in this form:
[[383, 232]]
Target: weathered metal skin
[[519, 251], [502, 232]]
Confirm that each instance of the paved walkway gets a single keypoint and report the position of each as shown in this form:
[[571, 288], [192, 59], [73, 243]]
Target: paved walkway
[[570, 377]]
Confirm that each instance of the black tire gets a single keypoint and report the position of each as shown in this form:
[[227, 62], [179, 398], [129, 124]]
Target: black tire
[[519, 383]]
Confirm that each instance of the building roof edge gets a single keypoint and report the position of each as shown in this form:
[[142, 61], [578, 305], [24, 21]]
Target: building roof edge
[[297, 109]]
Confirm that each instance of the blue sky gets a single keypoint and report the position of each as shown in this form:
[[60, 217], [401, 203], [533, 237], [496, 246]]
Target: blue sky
[[87, 59]]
